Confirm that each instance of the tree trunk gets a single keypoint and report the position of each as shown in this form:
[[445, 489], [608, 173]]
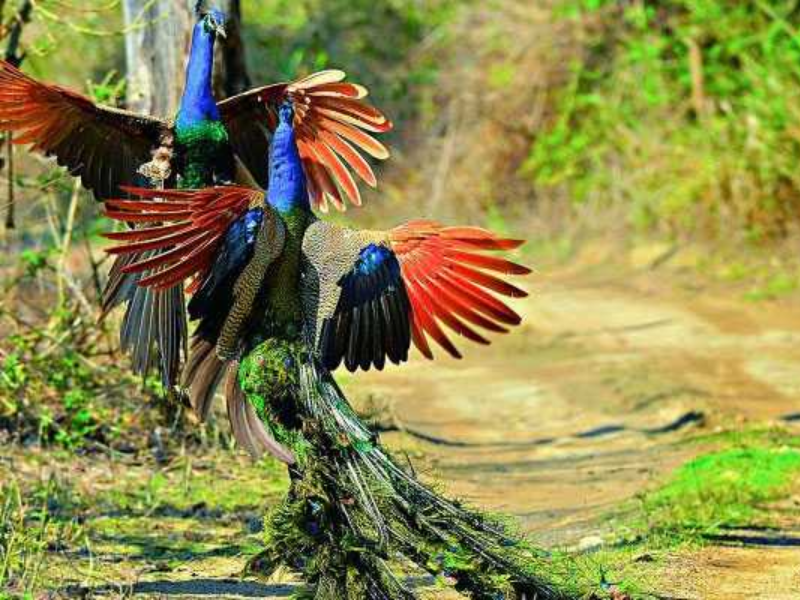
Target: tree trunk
[[230, 76], [157, 47]]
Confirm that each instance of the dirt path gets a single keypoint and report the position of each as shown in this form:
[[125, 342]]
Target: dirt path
[[582, 409], [559, 423]]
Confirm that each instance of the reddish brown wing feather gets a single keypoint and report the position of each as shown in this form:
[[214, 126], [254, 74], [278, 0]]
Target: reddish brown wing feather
[[187, 228], [103, 146], [449, 281], [333, 125]]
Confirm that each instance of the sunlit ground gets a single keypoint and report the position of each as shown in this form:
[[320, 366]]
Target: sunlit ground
[[649, 438]]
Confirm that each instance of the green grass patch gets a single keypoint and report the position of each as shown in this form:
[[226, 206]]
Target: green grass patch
[[31, 529], [609, 572], [749, 437], [156, 518], [776, 286], [199, 485], [735, 485], [729, 488]]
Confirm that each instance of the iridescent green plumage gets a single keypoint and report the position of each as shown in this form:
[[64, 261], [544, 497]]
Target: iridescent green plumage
[[205, 154], [352, 511]]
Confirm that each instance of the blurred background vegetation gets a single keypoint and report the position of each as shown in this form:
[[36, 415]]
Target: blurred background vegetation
[[686, 112], [665, 118]]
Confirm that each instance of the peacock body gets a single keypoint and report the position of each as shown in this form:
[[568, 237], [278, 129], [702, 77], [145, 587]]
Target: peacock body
[[154, 326], [279, 311]]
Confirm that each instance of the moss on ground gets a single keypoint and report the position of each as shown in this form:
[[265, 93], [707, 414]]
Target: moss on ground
[[100, 523], [739, 482], [724, 489]]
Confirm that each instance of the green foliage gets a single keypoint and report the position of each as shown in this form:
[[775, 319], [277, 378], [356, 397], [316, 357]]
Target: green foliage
[[109, 91], [502, 75], [35, 261], [54, 390], [57, 382], [48, 383], [687, 111], [64, 38], [776, 286], [375, 42]]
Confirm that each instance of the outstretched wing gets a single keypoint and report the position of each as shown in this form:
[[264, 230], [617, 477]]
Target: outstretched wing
[[212, 235], [368, 294], [333, 126], [451, 281], [182, 230], [101, 145]]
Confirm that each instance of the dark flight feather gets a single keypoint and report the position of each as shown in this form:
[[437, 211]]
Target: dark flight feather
[[370, 323]]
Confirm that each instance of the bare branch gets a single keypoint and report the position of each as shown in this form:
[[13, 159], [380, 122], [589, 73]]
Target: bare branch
[[9, 164], [12, 55], [18, 21]]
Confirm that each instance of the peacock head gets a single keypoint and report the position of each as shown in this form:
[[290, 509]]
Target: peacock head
[[286, 113], [212, 20]]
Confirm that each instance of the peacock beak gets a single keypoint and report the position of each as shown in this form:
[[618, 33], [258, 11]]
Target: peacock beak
[[217, 25]]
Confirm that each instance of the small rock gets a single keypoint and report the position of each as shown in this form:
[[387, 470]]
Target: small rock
[[590, 543]]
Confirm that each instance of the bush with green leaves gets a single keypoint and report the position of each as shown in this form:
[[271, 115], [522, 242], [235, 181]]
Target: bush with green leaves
[[688, 111], [47, 393], [53, 390]]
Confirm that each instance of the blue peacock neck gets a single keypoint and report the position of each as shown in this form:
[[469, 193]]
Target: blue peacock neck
[[288, 196], [287, 184], [198, 104]]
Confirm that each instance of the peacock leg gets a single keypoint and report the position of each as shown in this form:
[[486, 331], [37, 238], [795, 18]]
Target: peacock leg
[[353, 514]]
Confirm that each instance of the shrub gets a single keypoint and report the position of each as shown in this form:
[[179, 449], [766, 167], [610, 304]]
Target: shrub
[[687, 111]]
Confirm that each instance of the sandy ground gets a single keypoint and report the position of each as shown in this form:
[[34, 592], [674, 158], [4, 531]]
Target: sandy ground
[[579, 410]]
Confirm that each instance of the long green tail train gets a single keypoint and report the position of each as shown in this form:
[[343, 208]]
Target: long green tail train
[[352, 511]]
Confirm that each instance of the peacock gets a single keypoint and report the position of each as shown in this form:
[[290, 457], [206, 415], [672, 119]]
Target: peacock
[[208, 143], [282, 299]]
